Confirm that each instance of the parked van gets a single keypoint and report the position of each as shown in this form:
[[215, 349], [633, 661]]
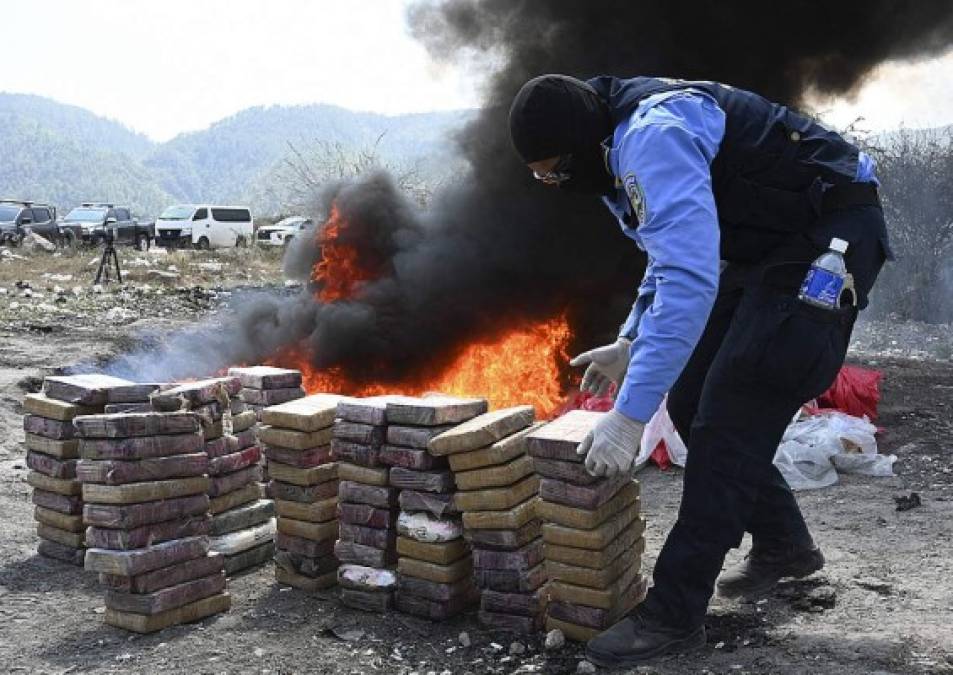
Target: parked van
[[204, 226]]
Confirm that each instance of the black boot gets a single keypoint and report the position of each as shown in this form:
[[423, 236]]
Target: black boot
[[765, 566], [639, 638]]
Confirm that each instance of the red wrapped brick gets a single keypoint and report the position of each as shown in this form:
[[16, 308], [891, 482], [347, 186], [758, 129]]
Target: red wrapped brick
[[131, 516], [147, 535], [218, 466], [143, 447], [366, 516], [225, 483], [70, 505], [166, 598], [51, 466], [48, 428], [119, 472], [300, 458], [165, 577]]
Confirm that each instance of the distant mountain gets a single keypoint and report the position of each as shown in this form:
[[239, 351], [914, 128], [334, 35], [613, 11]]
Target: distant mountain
[[76, 124], [65, 154], [230, 160]]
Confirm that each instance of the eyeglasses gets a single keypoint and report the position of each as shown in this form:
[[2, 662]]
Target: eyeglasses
[[560, 172]]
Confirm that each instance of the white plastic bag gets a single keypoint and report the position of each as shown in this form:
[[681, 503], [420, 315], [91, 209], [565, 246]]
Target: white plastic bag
[[813, 449], [661, 428], [805, 467]]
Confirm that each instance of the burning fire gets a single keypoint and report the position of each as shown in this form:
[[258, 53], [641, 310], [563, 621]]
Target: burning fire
[[339, 272], [522, 366]]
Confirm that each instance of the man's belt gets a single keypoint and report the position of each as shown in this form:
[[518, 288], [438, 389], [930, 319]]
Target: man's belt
[[845, 195]]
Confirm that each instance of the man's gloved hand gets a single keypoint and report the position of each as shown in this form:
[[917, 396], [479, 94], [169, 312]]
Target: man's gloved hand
[[612, 445], [606, 365]]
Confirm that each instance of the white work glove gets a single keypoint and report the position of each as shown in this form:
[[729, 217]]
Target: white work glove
[[612, 445], [606, 365]]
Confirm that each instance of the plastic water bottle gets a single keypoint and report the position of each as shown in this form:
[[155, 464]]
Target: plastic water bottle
[[825, 280]]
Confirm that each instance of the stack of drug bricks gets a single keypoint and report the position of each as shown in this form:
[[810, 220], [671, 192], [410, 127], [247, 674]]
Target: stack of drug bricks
[[367, 505], [592, 532], [497, 493], [145, 486], [297, 442], [53, 451], [434, 566], [265, 386], [243, 524]]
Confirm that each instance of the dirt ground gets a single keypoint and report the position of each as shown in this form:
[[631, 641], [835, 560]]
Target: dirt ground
[[888, 575]]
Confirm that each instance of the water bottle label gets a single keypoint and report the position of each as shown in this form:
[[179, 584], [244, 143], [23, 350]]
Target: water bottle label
[[822, 286]]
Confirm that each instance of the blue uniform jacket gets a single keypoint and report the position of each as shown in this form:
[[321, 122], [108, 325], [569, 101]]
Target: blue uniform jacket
[[661, 157]]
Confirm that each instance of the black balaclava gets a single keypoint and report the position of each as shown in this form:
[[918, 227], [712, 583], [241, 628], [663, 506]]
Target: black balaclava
[[554, 115]]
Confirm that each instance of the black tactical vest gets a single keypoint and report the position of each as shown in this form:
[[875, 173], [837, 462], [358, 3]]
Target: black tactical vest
[[770, 171]]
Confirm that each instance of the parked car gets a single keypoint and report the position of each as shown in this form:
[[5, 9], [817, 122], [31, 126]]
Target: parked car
[[19, 218], [205, 226], [283, 231], [88, 223]]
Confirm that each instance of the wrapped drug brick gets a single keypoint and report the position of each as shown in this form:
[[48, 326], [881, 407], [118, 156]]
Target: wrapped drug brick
[[53, 455], [367, 588], [592, 533], [296, 439], [146, 507], [264, 386]]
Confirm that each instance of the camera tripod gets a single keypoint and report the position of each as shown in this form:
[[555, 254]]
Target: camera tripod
[[109, 260]]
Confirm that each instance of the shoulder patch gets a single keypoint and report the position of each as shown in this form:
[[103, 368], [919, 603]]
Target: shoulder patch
[[636, 197]]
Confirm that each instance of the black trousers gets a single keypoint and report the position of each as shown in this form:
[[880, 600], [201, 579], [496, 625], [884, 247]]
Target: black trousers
[[762, 355]]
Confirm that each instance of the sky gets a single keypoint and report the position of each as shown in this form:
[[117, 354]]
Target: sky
[[162, 67]]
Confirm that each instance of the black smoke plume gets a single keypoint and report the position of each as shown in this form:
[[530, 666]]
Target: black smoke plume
[[494, 249]]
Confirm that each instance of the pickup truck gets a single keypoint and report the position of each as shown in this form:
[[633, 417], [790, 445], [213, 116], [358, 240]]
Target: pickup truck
[[88, 223], [19, 218], [282, 232]]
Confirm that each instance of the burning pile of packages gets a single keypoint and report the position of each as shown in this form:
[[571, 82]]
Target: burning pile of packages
[[430, 506]]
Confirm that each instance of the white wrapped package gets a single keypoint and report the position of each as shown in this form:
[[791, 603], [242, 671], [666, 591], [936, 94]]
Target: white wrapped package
[[236, 542], [425, 527], [366, 578]]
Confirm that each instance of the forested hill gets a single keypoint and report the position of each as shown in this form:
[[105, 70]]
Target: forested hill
[[75, 124], [65, 155]]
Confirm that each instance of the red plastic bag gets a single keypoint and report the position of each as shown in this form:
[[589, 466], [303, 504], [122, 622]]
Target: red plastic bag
[[856, 391], [583, 400], [660, 456]]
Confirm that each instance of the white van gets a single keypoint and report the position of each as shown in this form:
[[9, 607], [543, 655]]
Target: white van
[[204, 226]]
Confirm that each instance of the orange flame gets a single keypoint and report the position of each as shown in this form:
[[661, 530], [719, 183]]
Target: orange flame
[[521, 367], [338, 273]]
